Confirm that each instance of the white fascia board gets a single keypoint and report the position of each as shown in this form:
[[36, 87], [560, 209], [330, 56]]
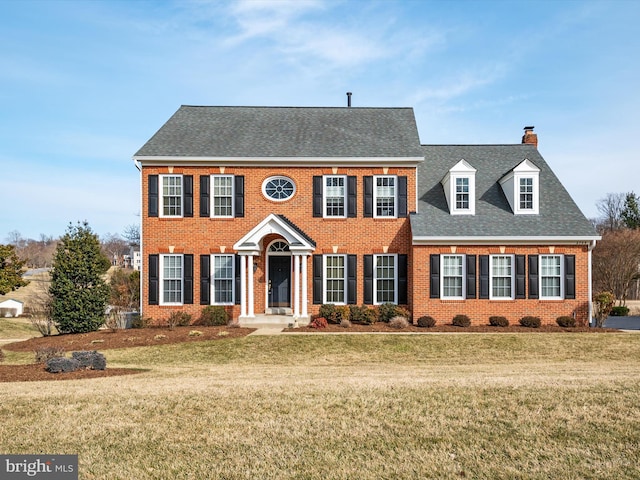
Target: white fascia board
[[504, 240], [151, 161]]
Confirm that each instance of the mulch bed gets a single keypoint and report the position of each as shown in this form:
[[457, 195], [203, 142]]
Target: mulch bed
[[105, 340], [448, 328]]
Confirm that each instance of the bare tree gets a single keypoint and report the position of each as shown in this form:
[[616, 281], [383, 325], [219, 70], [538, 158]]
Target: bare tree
[[616, 263], [610, 208], [114, 247], [132, 233]]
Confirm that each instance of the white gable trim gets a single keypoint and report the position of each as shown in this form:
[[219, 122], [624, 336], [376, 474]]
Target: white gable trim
[[250, 243]]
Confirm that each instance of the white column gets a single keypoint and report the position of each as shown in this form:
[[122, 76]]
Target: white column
[[296, 286], [243, 285], [305, 300], [250, 286]]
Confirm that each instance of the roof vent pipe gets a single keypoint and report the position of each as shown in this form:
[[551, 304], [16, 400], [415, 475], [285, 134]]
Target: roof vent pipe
[[349, 99]]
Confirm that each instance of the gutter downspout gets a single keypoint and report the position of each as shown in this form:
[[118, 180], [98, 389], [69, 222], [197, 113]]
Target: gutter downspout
[[139, 167], [592, 245]]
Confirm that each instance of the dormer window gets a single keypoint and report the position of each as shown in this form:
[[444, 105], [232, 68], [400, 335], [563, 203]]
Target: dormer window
[[459, 188], [521, 187]]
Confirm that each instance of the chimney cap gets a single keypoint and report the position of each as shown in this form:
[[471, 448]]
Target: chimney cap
[[529, 129]]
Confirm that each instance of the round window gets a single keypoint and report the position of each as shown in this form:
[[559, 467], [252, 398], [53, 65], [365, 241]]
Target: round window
[[278, 188]]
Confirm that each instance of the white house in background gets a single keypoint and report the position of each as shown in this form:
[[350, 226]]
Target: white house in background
[[11, 308], [136, 258]]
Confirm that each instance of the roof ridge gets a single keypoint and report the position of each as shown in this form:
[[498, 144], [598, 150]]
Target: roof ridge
[[297, 107]]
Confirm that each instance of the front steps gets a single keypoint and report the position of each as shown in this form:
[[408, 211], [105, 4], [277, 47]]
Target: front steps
[[272, 321]]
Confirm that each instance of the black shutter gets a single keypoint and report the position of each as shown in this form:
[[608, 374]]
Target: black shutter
[[521, 276], [154, 279], [238, 200], [317, 279], [205, 279], [533, 276], [352, 192], [434, 275], [153, 195], [205, 181], [402, 279], [570, 277], [368, 279], [317, 196], [237, 293], [187, 195], [402, 197], [188, 279], [484, 276], [352, 270], [368, 196], [471, 276]]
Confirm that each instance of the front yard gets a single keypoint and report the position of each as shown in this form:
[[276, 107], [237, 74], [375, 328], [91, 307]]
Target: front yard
[[340, 407]]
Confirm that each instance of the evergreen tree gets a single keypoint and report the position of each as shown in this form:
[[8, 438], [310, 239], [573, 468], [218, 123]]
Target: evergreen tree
[[79, 292], [630, 214], [10, 270]]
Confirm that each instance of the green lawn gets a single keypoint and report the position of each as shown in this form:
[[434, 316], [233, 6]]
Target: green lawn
[[346, 407]]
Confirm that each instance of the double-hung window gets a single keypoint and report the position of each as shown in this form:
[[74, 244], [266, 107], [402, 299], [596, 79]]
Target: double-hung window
[[171, 195], [526, 193], [551, 277], [501, 277], [335, 273], [385, 196], [452, 276], [385, 280], [223, 279], [222, 195], [462, 193], [335, 195], [171, 269]]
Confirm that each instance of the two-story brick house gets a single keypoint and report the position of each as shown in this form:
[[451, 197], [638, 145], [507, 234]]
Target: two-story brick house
[[280, 209]]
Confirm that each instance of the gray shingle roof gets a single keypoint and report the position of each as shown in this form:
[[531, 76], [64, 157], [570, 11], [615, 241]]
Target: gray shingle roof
[[200, 131], [559, 215]]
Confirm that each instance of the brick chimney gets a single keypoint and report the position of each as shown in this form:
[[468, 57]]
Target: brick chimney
[[529, 137]]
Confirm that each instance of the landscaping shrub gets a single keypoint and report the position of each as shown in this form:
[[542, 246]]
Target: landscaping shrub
[[363, 315], [45, 353], [328, 312], [531, 322], [387, 311], [213, 316], [62, 364], [498, 321], [399, 322], [318, 322], [178, 319], [90, 360], [426, 321], [138, 321], [619, 311], [342, 312], [566, 321], [461, 321]]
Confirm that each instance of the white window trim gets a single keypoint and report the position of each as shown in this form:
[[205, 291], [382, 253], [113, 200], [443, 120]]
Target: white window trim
[[213, 197], [395, 278], [375, 196], [162, 279], [161, 195], [464, 275], [513, 277], [212, 280], [324, 279], [541, 296], [324, 196], [472, 198], [526, 211], [278, 177]]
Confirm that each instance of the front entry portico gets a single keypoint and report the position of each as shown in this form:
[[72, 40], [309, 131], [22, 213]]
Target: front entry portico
[[286, 273]]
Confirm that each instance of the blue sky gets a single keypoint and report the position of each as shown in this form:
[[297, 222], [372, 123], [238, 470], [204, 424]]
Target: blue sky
[[84, 84]]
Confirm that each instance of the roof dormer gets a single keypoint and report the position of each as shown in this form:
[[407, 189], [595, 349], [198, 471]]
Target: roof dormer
[[460, 189], [521, 186]]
